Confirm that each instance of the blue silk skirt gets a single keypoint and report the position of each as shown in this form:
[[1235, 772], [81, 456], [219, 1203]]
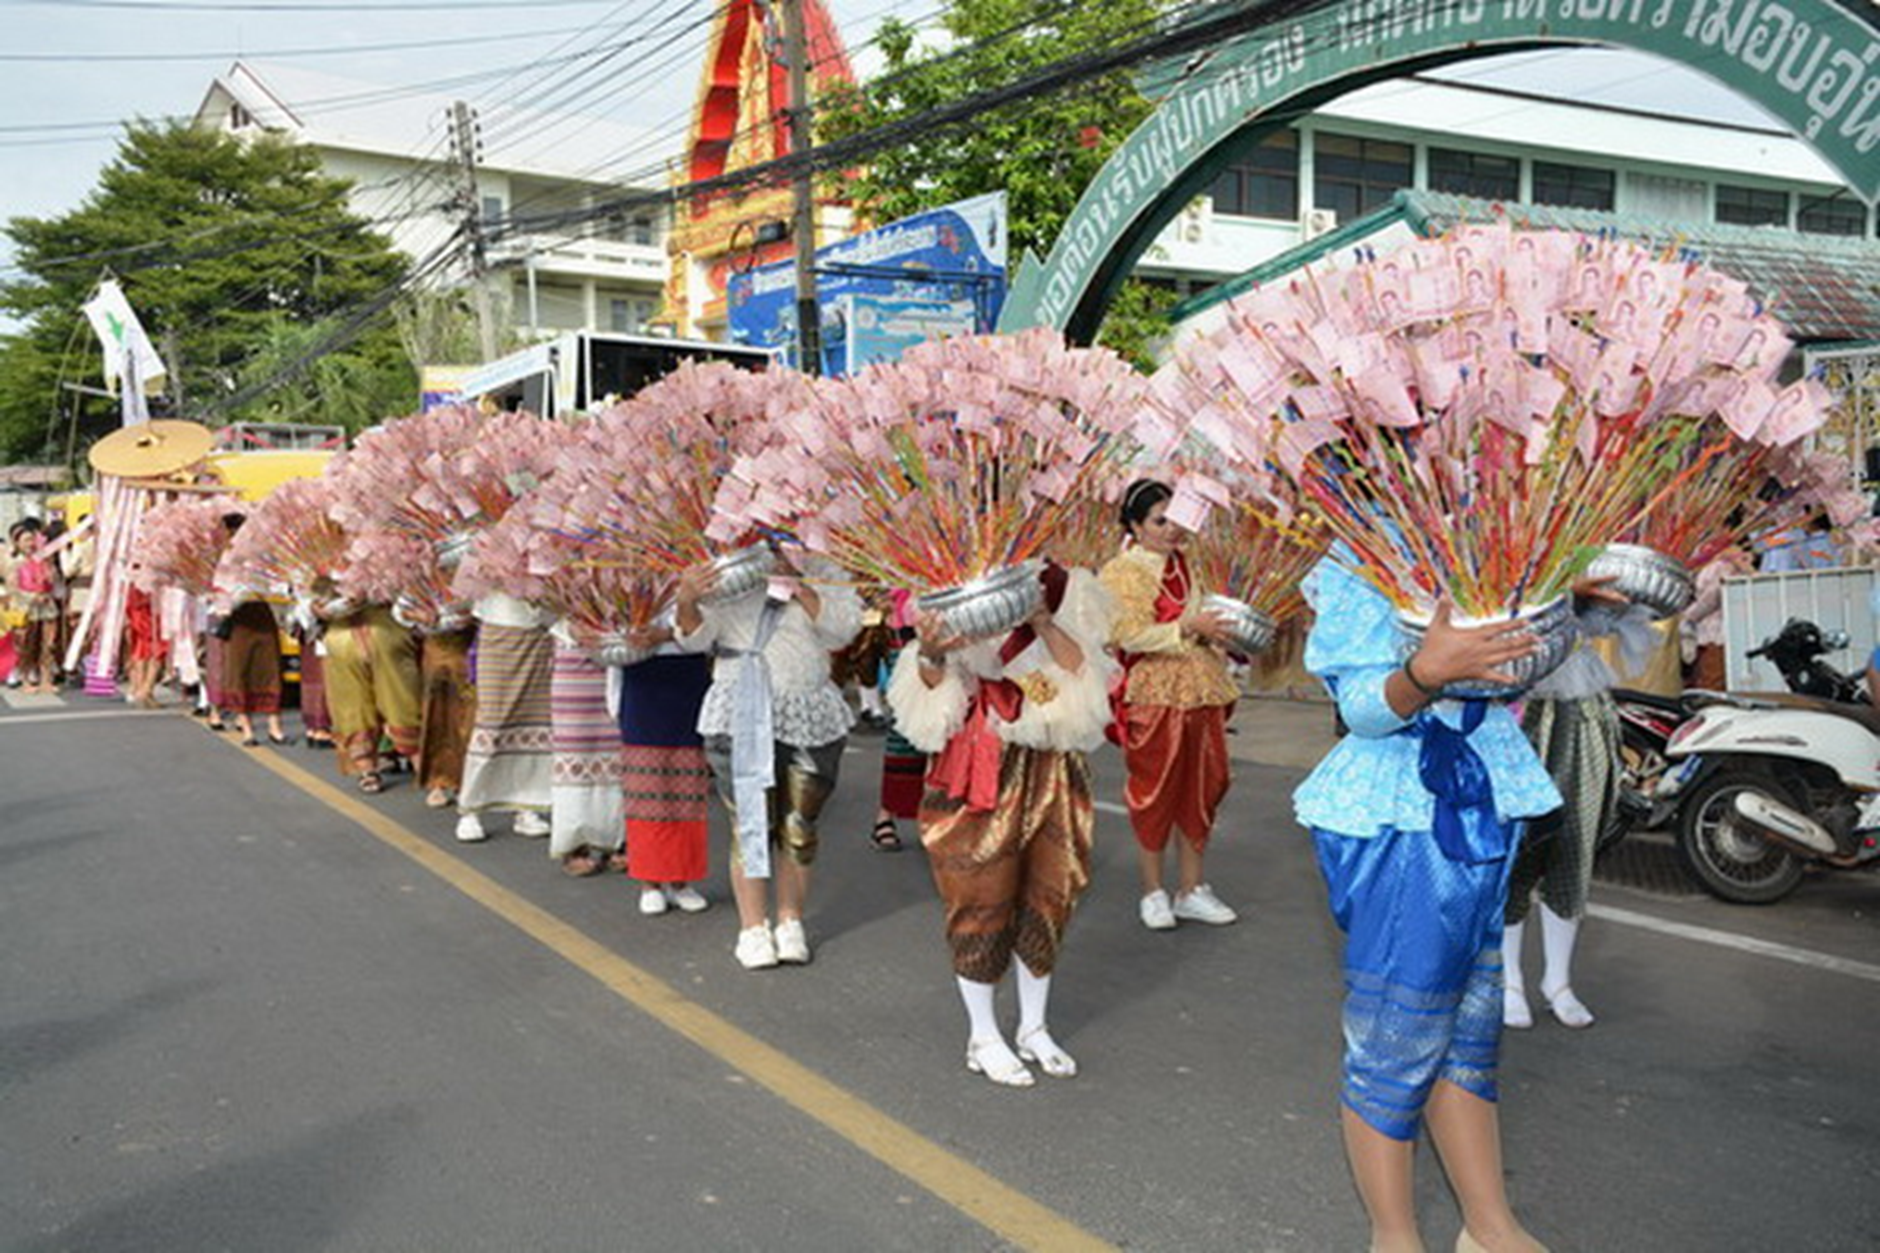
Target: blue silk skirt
[[1422, 971]]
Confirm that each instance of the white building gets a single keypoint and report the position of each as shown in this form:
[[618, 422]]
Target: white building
[[1508, 135], [397, 147]]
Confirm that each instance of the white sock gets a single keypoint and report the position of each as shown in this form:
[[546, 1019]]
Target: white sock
[[1512, 980], [1034, 996], [1558, 936], [983, 1022], [871, 701]]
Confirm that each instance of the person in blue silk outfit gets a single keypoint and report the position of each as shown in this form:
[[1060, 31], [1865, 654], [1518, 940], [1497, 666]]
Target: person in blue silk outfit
[[1414, 815]]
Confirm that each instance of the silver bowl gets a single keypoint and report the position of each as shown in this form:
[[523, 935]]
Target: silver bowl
[[990, 605], [1646, 577], [741, 572], [1250, 631], [1553, 624], [615, 650], [453, 548]]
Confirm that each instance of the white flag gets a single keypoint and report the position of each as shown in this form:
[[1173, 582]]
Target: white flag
[[122, 336]]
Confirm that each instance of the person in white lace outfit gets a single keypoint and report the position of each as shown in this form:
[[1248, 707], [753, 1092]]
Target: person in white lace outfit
[[775, 723]]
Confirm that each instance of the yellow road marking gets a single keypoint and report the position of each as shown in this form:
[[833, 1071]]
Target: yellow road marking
[[1001, 1209]]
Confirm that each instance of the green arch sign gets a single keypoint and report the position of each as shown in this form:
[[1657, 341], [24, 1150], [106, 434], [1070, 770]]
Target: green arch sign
[[1814, 64]]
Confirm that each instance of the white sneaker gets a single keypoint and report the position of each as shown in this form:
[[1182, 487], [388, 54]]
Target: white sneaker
[[652, 901], [792, 942], [1156, 914], [756, 949], [1202, 905], [531, 824], [470, 829], [688, 899]]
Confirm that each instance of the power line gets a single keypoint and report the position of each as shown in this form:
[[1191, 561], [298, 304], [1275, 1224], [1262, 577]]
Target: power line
[[322, 50], [248, 6]]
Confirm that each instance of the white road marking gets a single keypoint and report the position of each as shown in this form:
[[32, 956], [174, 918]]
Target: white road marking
[[79, 715], [1741, 943], [1702, 935]]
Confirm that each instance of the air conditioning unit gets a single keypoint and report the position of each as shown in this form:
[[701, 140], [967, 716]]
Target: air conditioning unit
[[1319, 221], [1195, 218]]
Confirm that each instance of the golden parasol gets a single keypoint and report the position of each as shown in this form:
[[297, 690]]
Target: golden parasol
[[151, 449]]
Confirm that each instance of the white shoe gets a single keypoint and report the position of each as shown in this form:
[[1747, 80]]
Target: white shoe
[[757, 949], [1568, 1008], [1156, 914], [1202, 905], [470, 829], [1515, 1012], [1037, 1046], [652, 901], [792, 943], [531, 824], [688, 899], [998, 1063]]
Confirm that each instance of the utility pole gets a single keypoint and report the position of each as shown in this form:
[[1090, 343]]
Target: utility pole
[[803, 219], [466, 137]]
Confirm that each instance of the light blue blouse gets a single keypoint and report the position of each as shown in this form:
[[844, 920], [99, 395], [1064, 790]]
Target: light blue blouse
[[1369, 783]]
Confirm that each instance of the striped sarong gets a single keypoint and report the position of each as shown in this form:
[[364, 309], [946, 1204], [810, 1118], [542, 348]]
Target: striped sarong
[[664, 778], [510, 763], [586, 768]]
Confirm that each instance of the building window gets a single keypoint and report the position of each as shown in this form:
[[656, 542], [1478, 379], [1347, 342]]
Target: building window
[[1752, 206], [492, 208], [630, 314], [640, 231], [239, 118], [1573, 186], [1353, 176], [1475, 174], [1263, 183], [1839, 214]]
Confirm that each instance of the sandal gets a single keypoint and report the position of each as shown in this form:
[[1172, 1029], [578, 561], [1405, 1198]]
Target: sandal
[[1037, 1047], [583, 863], [249, 741], [279, 739], [886, 837], [617, 861], [371, 784]]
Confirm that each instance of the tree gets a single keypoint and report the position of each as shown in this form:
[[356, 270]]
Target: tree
[[1041, 152], [225, 248]]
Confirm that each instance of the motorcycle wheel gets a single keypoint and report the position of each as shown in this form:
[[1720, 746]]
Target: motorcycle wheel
[[1723, 852], [1642, 763]]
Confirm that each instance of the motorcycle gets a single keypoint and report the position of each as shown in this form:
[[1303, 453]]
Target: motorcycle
[[1766, 785]]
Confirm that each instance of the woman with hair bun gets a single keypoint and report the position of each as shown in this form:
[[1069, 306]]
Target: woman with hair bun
[[1177, 695]]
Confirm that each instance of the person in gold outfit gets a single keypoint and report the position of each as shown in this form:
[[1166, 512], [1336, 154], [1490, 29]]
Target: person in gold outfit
[[1176, 700]]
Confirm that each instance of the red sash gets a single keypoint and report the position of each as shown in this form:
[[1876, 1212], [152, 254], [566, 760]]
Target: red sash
[[968, 767], [1171, 602]]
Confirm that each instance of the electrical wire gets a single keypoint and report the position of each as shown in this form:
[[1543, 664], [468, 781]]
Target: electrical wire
[[320, 50]]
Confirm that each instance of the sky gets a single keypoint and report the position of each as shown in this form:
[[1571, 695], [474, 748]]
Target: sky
[[75, 69]]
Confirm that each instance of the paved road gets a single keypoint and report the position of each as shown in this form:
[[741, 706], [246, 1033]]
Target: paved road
[[244, 1009]]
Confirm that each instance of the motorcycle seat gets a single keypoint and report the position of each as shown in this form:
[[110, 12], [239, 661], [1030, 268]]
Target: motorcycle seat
[[1867, 716], [1650, 700]]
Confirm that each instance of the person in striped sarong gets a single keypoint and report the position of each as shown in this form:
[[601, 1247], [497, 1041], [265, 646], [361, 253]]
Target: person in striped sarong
[[449, 708], [510, 762], [587, 822], [665, 780]]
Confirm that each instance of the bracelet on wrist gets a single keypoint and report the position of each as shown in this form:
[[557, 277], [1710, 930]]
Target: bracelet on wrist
[[1418, 684]]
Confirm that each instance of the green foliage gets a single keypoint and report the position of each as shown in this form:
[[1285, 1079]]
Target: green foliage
[[225, 248], [1042, 152]]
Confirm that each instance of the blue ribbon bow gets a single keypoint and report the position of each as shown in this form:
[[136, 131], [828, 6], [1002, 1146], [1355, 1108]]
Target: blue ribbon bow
[[1465, 825]]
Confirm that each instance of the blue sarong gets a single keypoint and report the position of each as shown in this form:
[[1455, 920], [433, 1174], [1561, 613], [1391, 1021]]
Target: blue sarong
[[1423, 974]]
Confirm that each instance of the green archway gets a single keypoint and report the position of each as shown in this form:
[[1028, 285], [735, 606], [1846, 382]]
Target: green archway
[[1814, 64]]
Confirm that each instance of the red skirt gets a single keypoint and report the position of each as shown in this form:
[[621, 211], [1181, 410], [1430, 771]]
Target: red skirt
[[1178, 771]]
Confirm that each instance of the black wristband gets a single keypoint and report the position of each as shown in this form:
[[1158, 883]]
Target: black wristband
[[1408, 673]]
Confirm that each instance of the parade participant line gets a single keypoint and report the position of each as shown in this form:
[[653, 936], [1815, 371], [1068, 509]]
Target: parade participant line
[[1001, 1209], [1741, 943]]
